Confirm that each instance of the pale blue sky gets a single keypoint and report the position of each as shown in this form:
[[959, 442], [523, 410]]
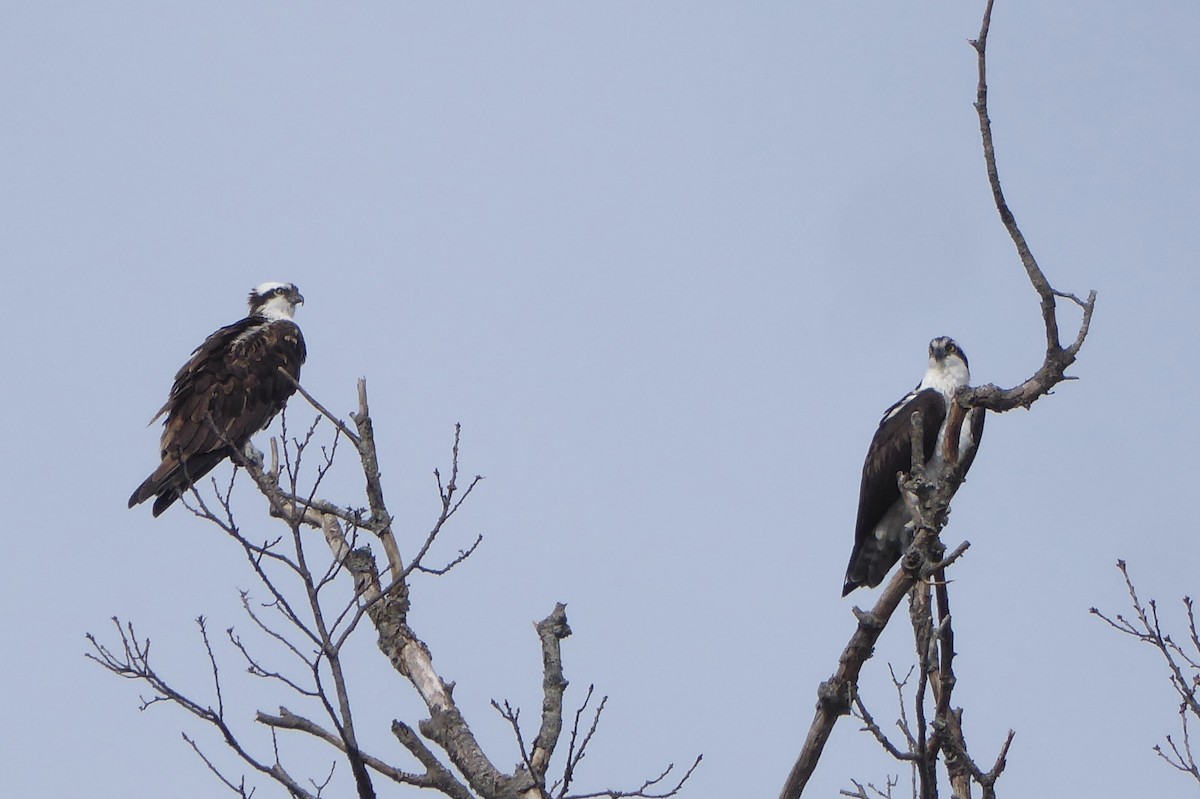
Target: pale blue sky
[[666, 263]]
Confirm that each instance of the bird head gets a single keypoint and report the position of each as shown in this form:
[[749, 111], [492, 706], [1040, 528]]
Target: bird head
[[275, 300], [948, 369]]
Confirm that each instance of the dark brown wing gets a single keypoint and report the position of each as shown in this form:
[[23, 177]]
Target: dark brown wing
[[237, 384], [228, 390], [889, 454]]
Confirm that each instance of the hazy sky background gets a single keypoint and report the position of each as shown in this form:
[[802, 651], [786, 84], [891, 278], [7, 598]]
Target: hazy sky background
[[667, 263]]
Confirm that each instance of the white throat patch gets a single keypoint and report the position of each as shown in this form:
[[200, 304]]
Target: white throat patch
[[278, 307], [947, 376]]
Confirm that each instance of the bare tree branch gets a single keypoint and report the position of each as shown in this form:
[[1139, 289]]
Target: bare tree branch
[[834, 695], [450, 506], [438, 775], [287, 720], [1183, 668], [381, 521], [577, 748], [647, 789], [133, 662], [551, 631], [240, 788], [337, 422], [860, 710], [870, 791], [1057, 358]]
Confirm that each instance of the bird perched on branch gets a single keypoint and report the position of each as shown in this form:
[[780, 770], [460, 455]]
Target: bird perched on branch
[[883, 532], [231, 387]]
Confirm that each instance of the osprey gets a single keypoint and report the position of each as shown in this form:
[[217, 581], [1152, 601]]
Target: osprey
[[228, 390], [882, 533]]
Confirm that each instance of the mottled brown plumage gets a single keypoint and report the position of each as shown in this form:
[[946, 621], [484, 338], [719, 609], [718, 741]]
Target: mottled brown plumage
[[232, 387]]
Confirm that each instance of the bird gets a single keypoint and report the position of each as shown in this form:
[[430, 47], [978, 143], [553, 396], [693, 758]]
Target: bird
[[883, 531], [231, 387]]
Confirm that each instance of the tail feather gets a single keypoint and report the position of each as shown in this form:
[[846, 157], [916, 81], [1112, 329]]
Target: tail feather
[[172, 479], [165, 500], [153, 484], [874, 557]]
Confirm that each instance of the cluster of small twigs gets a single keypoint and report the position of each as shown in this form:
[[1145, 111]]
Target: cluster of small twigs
[[312, 612], [132, 661], [924, 738], [870, 790], [1183, 668], [576, 750], [927, 497]]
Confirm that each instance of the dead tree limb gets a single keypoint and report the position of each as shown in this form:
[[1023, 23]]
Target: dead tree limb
[[1057, 358]]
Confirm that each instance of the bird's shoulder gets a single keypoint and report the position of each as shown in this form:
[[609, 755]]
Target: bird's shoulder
[[892, 442]]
